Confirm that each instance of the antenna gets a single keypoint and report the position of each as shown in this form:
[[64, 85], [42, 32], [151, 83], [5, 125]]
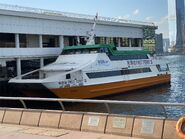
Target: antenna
[[91, 34]]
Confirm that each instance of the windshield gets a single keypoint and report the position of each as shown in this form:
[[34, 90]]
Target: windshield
[[85, 51]]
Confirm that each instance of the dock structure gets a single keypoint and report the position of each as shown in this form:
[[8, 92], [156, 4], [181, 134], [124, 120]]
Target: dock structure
[[24, 122], [62, 124], [29, 33]]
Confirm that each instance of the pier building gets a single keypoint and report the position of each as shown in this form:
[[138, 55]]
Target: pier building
[[29, 34]]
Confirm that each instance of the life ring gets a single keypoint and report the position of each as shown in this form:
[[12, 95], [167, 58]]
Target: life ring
[[180, 128]]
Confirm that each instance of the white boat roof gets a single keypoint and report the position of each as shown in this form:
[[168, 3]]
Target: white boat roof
[[70, 62]]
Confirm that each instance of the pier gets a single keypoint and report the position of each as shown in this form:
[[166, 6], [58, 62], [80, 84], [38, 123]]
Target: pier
[[142, 94], [50, 31], [24, 122]]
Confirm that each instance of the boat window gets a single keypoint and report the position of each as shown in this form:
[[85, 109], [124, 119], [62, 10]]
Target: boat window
[[104, 74], [85, 51], [146, 70], [78, 52], [68, 52], [93, 51], [163, 67], [1, 72], [118, 72], [128, 57], [68, 76], [135, 71], [44, 75], [103, 50]]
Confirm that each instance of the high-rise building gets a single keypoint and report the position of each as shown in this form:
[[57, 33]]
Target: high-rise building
[[176, 18], [172, 22], [159, 43], [166, 44], [180, 19]]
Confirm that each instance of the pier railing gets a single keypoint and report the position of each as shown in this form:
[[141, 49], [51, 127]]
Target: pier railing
[[107, 103]]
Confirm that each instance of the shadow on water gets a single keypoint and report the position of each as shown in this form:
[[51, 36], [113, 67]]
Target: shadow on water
[[7, 90]]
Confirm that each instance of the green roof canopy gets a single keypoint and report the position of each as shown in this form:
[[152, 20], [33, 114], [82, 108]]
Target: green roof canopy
[[111, 48]]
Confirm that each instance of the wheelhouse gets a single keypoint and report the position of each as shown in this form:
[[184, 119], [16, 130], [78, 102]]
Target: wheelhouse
[[110, 50]]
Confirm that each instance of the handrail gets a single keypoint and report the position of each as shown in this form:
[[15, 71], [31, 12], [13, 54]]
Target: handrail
[[105, 102], [21, 76], [93, 101]]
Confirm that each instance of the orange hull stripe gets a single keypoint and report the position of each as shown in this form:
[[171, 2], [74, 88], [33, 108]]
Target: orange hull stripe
[[109, 88]]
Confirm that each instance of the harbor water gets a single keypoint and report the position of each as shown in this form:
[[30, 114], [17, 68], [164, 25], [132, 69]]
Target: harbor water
[[173, 92]]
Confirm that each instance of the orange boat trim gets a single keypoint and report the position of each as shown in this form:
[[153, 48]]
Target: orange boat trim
[[92, 91]]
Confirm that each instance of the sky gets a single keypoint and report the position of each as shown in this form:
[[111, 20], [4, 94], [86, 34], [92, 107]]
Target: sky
[[142, 10]]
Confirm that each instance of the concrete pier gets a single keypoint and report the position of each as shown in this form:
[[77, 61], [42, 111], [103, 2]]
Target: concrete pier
[[22, 132], [23, 123]]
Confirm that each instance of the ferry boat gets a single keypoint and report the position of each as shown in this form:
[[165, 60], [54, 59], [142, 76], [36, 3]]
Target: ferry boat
[[89, 71]]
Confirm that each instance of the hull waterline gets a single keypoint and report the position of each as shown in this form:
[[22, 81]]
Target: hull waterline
[[92, 91], [110, 88]]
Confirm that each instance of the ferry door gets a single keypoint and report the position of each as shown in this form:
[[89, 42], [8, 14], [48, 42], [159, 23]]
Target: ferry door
[[125, 75], [77, 78], [125, 78]]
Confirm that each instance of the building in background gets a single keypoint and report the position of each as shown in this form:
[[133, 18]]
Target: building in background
[[149, 38], [180, 19], [30, 36], [166, 44], [176, 19], [172, 22], [159, 43]]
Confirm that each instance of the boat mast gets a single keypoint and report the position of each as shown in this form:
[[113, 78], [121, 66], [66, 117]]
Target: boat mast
[[91, 34]]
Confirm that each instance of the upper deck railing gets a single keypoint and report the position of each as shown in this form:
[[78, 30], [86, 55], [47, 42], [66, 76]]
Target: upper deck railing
[[73, 15]]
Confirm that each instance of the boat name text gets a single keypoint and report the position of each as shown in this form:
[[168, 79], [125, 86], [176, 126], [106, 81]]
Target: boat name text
[[103, 62], [139, 62]]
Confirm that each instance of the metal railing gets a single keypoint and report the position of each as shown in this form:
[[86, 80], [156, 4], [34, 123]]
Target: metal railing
[[105, 102]]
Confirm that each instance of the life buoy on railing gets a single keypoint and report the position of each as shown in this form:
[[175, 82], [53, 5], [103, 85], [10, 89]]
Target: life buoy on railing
[[180, 128]]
